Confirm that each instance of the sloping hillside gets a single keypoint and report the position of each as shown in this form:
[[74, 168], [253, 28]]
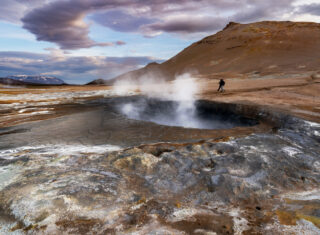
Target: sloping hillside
[[260, 48]]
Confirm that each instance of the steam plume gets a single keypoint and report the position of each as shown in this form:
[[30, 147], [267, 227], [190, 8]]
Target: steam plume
[[182, 91]]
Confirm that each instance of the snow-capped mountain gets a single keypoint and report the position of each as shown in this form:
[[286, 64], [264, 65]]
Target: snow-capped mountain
[[38, 79]]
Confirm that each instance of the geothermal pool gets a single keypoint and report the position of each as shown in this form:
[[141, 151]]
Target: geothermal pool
[[130, 121], [198, 114]]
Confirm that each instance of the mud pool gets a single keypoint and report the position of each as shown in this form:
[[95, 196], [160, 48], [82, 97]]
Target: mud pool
[[106, 172]]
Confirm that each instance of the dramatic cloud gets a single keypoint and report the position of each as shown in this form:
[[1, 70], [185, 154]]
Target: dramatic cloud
[[186, 24], [72, 69], [206, 16], [64, 22], [67, 22]]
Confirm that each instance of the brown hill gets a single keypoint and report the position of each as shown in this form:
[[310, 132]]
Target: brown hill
[[260, 48], [98, 81]]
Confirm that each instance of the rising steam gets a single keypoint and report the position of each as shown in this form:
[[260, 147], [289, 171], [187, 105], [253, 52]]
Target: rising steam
[[182, 91]]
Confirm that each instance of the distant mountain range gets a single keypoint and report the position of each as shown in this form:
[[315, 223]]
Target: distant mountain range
[[243, 50], [31, 80]]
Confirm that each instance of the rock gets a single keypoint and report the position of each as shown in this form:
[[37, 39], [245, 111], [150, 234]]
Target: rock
[[5, 162], [180, 188]]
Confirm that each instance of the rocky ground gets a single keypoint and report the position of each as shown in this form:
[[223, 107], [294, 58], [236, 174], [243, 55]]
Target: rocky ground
[[263, 183], [261, 179]]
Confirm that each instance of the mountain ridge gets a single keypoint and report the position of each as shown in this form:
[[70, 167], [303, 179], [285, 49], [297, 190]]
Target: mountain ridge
[[31, 80], [38, 79], [261, 48]]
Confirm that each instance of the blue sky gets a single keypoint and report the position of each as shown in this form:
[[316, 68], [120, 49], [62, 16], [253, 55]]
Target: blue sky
[[81, 40]]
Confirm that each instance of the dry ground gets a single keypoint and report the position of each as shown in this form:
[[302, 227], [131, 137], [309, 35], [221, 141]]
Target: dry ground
[[299, 96], [32, 103]]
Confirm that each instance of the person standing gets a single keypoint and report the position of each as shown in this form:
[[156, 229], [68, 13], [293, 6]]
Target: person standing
[[221, 85]]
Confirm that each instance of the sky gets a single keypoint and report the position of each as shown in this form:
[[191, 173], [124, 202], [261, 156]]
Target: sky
[[82, 40]]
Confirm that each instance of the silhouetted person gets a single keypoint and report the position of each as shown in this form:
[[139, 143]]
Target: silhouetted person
[[221, 85]]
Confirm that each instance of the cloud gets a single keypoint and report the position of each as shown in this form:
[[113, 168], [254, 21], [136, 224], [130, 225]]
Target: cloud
[[13, 10], [18, 54], [65, 22], [120, 21], [76, 69], [265, 10], [57, 54], [62, 22], [184, 24], [313, 9]]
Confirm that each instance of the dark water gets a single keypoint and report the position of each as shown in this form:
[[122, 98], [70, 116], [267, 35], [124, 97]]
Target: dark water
[[188, 114]]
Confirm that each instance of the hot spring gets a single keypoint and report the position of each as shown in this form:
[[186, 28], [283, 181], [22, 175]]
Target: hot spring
[[136, 120], [199, 114]]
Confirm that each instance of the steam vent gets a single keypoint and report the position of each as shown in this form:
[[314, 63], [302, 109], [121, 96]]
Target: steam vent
[[160, 149]]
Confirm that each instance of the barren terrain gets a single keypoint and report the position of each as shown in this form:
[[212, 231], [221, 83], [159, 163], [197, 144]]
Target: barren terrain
[[88, 169]]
